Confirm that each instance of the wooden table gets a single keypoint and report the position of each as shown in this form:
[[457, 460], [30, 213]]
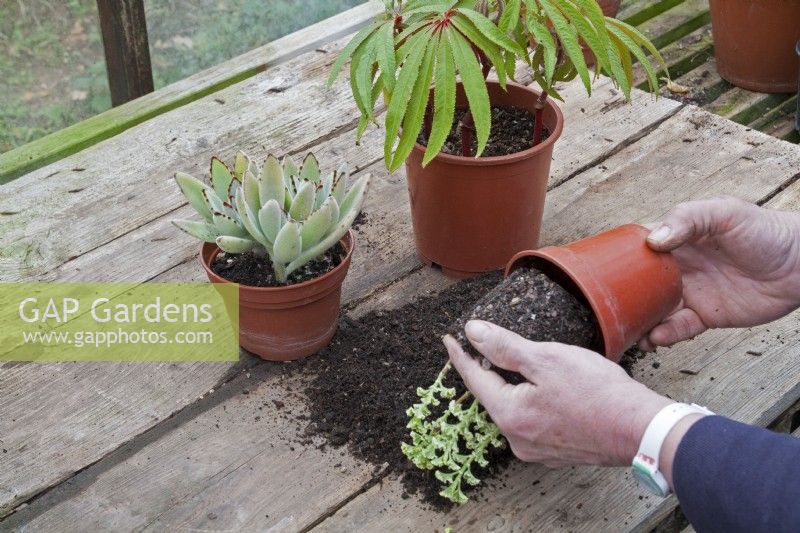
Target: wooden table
[[175, 446]]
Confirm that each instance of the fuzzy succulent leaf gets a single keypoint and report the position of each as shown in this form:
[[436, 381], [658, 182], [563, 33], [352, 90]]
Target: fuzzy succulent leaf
[[318, 224], [303, 202], [250, 219], [221, 177], [194, 191], [250, 187], [199, 230], [235, 245], [310, 169], [240, 165], [228, 225], [271, 186], [288, 243], [270, 218]]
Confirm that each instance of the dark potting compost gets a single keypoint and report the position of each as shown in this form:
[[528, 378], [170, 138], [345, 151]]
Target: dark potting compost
[[512, 132], [532, 305], [363, 383], [254, 271]]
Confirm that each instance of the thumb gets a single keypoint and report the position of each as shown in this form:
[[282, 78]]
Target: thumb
[[689, 221]]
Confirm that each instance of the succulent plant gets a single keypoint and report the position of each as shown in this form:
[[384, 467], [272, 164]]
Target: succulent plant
[[290, 214]]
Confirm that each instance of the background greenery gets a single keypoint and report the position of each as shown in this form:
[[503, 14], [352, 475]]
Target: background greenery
[[52, 70]]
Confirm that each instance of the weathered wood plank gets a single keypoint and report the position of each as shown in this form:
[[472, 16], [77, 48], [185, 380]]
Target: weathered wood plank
[[386, 253], [89, 132], [639, 183]]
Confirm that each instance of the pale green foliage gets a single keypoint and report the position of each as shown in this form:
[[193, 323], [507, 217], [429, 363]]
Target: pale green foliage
[[452, 442], [419, 43], [292, 214]]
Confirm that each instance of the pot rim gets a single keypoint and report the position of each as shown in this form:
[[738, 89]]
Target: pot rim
[[510, 158], [348, 241]]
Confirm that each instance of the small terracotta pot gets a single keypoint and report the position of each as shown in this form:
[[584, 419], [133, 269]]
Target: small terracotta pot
[[471, 215], [754, 43], [610, 9], [287, 323], [629, 287]]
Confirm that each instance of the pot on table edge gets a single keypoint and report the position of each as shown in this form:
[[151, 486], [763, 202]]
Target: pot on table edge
[[472, 215], [754, 43], [629, 287], [291, 322]]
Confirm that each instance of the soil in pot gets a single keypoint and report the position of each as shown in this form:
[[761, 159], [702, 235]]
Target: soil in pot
[[363, 383], [532, 305], [254, 271], [512, 132]]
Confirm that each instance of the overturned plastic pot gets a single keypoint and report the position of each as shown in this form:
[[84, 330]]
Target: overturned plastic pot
[[629, 287], [471, 215], [291, 322]]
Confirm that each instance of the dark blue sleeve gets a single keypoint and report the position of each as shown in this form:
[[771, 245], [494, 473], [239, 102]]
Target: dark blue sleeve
[[732, 477]]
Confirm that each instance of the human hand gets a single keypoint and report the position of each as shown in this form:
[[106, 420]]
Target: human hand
[[740, 266], [576, 408]]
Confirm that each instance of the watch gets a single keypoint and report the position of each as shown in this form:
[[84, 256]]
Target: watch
[[645, 464]]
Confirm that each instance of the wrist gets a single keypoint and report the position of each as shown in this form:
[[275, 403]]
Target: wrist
[[670, 447], [635, 414]]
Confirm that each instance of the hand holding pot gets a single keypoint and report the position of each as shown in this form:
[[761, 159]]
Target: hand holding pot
[[740, 265], [576, 408]]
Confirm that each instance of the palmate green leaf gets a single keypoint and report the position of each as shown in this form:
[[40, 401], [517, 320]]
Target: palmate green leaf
[[625, 59], [398, 107], [444, 100], [630, 44], [587, 32], [492, 32], [474, 87], [510, 16], [436, 7], [614, 68], [361, 69], [384, 46], [412, 122], [364, 120], [492, 51], [548, 46], [348, 50], [568, 37], [641, 40]]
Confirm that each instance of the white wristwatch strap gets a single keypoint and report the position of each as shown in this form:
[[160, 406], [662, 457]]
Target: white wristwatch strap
[[647, 458]]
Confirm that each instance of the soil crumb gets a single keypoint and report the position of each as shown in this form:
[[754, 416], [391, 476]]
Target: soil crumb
[[512, 132], [249, 269]]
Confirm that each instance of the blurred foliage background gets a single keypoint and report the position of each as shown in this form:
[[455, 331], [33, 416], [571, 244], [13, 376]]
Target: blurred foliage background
[[52, 69]]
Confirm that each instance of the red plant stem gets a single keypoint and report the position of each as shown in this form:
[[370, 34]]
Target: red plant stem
[[428, 121], [539, 118]]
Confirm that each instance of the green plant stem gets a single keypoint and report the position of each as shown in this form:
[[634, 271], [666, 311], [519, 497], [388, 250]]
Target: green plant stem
[[280, 273]]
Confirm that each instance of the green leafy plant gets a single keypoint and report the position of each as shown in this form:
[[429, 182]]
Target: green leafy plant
[[291, 214], [452, 440], [417, 44]]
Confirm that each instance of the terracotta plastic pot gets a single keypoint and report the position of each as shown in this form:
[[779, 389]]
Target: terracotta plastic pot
[[629, 287], [286, 323], [471, 215], [754, 43], [610, 9]]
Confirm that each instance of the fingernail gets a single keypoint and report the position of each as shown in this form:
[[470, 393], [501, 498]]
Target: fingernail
[[476, 330], [661, 234]]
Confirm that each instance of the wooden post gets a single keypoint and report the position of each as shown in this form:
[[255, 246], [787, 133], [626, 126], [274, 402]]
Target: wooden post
[[127, 53]]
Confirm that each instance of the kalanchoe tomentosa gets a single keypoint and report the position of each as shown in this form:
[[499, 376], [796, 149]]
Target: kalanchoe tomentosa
[[291, 214], [451, 442]]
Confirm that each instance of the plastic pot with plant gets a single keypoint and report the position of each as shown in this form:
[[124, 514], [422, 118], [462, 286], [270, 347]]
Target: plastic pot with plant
[[282, 232], [478, 151], [601, 293]]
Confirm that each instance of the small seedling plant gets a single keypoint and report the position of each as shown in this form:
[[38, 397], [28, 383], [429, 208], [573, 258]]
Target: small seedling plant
[[419, 44], [289, 213]]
